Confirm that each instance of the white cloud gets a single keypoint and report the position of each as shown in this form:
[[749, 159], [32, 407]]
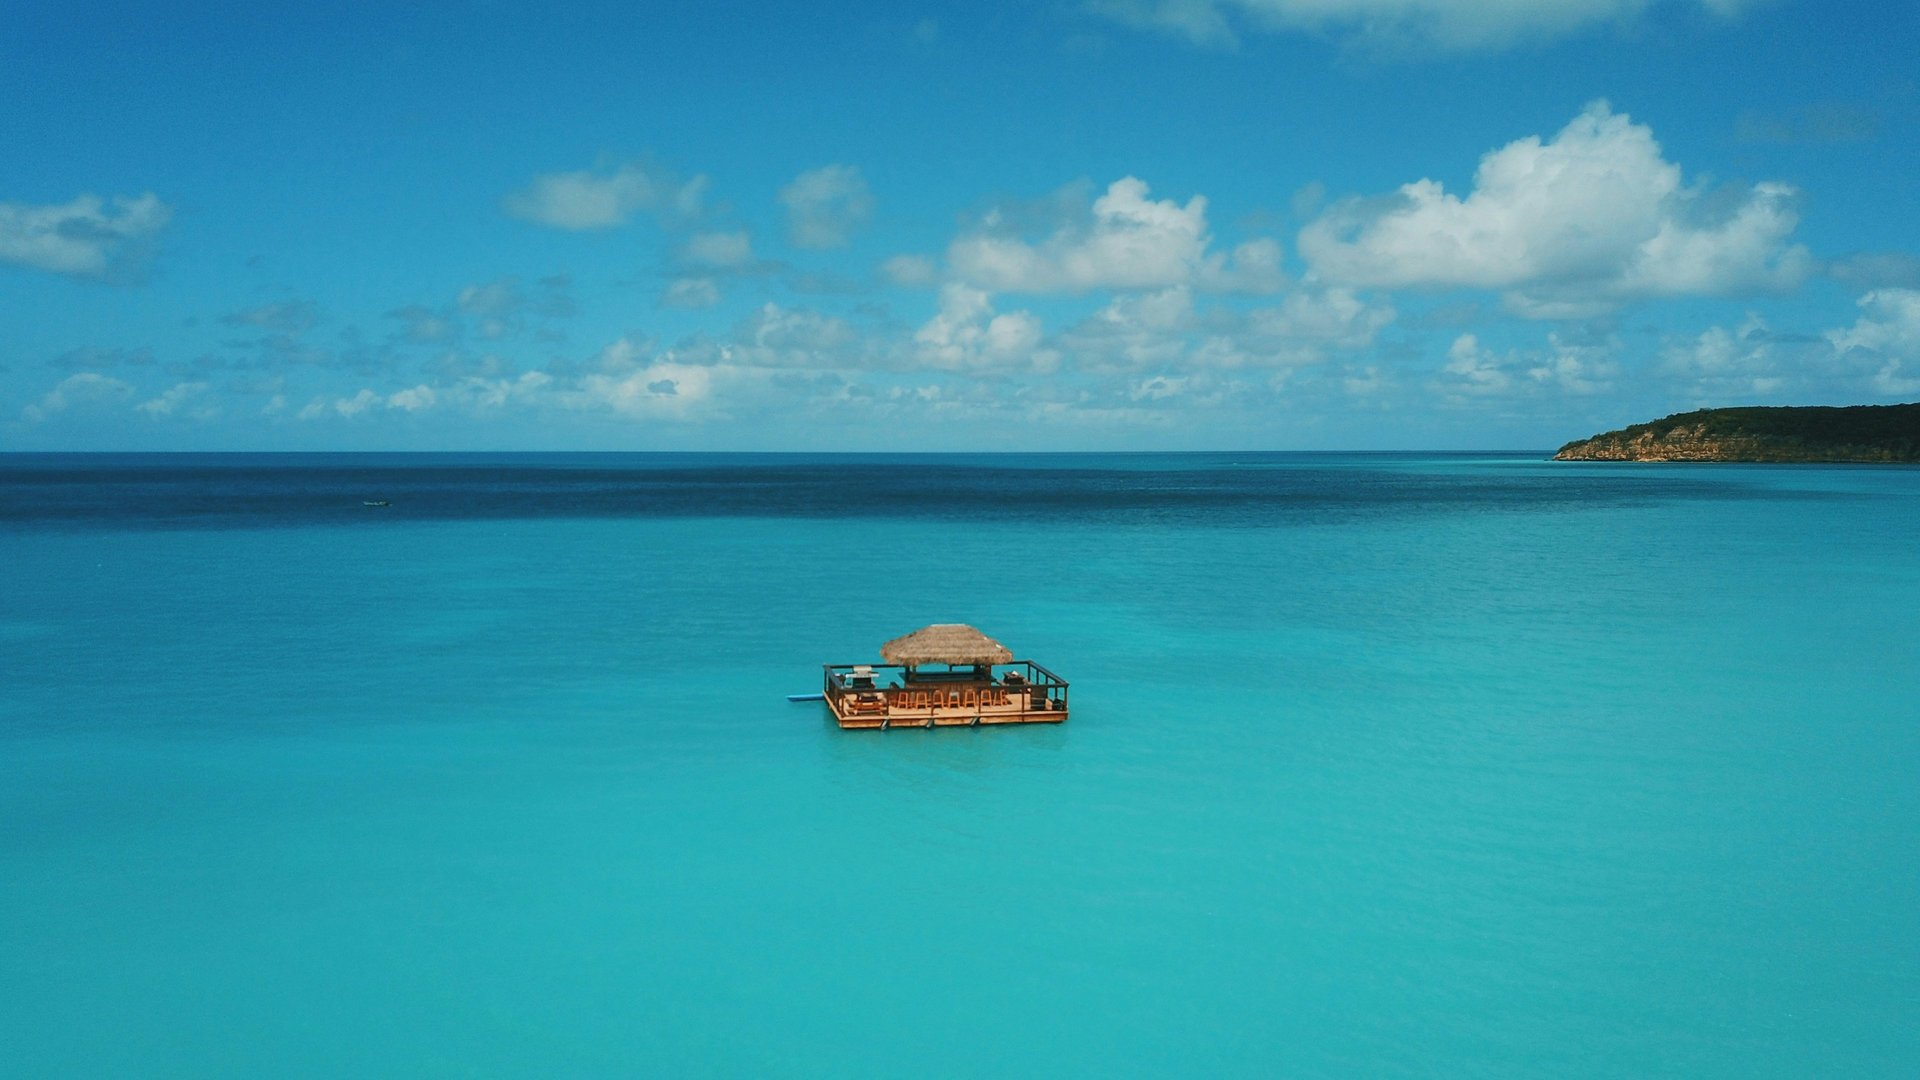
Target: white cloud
[[413, 399], [770, 339], [1592, 217], [789, 330], [1888, 330], [1721, 364], [1575, 368], [632, 380], [484, 393], [1253, 267], [1128, 242], [622, 355], [590, 199], [1877, 356], [966, 335], [1473, 369], [84, 389], [691, 293], [1716, 350], [1135, 331], [1566, 366], [722, 250], [478, 392], [1203, 389], [1164, 328], [825, 205], [1896, 379], [662, 390], [1889, 325], [1335, 317], [910, 271], [88, 237], [1156, 388], [357, 404], [1446, 24], [184, 399]]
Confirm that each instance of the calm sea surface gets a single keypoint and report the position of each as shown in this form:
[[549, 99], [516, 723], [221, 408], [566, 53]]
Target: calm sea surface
[[1379, 765]]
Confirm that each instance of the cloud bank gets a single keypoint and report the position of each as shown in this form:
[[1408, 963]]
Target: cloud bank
[[1569, 226], [1125, 241], [598, 199]]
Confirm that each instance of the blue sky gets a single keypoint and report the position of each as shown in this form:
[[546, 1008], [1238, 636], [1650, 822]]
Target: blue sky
[[1156, 224]]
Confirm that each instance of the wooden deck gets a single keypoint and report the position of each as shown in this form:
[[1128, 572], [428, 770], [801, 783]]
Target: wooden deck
[[1024, 694], [851, 713]]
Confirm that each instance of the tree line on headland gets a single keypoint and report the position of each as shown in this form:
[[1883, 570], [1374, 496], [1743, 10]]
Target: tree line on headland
[[1812, 433]]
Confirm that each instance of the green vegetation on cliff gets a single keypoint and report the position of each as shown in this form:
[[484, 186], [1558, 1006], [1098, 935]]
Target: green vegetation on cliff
[[1875, 433]]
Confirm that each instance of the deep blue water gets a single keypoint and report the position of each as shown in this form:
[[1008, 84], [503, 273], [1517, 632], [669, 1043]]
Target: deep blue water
[[1379, 765]]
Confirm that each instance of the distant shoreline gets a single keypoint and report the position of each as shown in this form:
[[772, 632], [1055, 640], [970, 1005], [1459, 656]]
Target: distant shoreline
[[1810, 434]]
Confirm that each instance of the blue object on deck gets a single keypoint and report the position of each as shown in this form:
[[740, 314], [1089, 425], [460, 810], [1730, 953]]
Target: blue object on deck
[[806, 697]]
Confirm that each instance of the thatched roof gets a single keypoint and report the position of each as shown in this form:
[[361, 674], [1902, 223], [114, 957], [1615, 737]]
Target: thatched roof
[[946, 643]]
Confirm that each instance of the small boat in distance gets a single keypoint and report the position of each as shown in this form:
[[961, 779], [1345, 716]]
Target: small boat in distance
[[375, 502], [944, 675]]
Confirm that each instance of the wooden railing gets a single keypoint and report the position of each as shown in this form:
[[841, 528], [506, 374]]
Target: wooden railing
[[892, 688]]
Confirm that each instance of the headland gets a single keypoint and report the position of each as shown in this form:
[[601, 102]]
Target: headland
[[1815, 433]]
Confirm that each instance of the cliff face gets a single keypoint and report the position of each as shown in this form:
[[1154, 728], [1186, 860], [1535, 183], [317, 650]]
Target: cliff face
[[1859, 433]]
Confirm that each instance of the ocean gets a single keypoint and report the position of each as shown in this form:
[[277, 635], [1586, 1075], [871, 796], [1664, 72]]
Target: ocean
[[1378, 766]]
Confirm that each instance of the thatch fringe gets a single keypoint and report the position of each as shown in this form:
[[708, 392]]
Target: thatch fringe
[[946, 643]]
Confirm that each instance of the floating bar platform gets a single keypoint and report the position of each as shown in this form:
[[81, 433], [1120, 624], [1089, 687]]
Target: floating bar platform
[[946, 675]]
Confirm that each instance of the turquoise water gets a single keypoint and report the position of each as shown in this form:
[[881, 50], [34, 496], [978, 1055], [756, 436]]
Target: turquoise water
[[1378, 766]]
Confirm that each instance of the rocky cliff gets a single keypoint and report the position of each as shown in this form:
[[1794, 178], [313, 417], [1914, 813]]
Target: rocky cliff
[[1866, 433]]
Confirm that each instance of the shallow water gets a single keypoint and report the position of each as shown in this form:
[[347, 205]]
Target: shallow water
[[1378, 765]]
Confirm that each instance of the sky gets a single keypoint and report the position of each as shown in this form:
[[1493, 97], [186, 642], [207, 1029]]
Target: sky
[[1098, 225]]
